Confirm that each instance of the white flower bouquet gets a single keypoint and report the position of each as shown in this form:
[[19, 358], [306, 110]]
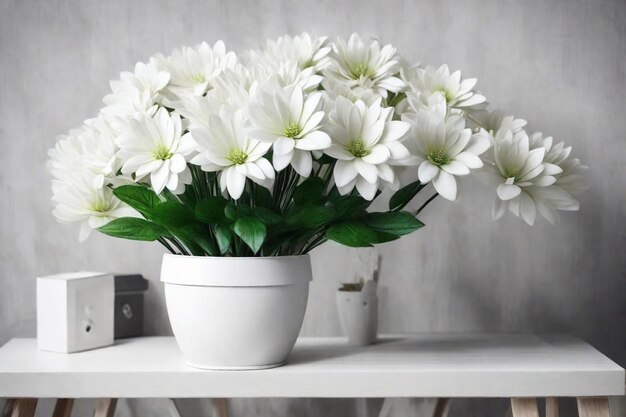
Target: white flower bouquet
[[280, 150]]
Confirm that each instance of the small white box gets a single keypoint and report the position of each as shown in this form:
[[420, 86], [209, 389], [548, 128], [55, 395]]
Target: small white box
[[75, 311]]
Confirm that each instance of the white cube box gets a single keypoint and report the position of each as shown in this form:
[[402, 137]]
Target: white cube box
[[75, 311]]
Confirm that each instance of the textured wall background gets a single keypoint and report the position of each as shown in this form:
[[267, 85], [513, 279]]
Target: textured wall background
[[560, 64]]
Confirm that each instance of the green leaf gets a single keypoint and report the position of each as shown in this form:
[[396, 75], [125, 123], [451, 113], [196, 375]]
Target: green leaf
[[224, 237], [398, 223], [138, 197], [309, 216], [230, 211], [404, 195], [194, 237], [262, 197], [133, 228], [170, 214], [252, 231], [356, 235], [309, 191], [267, 216], [351, 206], [211, 210]]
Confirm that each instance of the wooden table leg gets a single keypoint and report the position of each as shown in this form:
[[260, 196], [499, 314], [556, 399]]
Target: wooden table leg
[[552, 407], [8, 407], [593, 407], [105, 407], [63, 407], [24, 407], [441, 409], [220, 405], [524, 407]]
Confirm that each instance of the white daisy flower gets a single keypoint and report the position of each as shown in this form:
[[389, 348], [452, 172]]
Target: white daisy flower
[[306, 51], [365, 143], [444, 147], [90, 149], [365, 66], [291, 122], [225, 147], [525, 180], [458, 92], [156, 147], [77, 201], [193, 69]]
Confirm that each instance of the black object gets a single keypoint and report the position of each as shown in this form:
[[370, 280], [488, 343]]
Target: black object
[[129, 292]]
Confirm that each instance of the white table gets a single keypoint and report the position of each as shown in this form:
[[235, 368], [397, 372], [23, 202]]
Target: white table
[[521, 367]]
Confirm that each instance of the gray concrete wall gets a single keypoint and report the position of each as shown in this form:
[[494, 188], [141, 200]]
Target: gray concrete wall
[[559, 64]]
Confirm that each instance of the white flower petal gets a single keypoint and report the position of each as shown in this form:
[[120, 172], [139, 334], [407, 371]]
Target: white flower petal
[[508, 191], [427, 171], [235, 182], [455, 168], [177, 163], [159, 178], [344, 172], [366, 188], [284, 146], [378, 154], [282, 161], [339, 152], [445, 184], [315, 140], [367, 171], [302, 162]]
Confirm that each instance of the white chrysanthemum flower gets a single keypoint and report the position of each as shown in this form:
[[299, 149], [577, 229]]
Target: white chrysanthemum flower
[[459, 93], [305, 50], [334, 88], [291, 122], [136, 92], [365, 142], [365, 66], [193, 69], [156, 147], [90, 149], [525, 180], [225, 147], [444, 147], [77, 201]]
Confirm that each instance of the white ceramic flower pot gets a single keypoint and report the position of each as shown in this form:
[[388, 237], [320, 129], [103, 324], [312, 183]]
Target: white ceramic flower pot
[[236, 313]]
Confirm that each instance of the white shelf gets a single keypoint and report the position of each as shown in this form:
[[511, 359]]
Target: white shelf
[[423, 365]]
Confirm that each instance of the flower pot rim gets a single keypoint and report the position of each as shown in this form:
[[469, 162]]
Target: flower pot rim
[[172, 255], [216, 271]]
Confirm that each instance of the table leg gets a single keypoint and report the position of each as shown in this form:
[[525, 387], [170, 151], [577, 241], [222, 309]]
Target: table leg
[[220, 405], [552, 407], [24, 407], [63, 407], [593, 407], [8, 407], [442, 407], [105, 407], [524, 407]]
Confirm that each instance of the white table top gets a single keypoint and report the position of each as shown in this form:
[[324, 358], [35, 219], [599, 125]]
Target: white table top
[[423, 365]]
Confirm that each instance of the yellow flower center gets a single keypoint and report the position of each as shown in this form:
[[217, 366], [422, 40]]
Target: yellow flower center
[[237, 156], [292, 130], [446, 94], [99, 205], [357, 148], [198, 78], [438, 157], [162, 153], [360, 70]]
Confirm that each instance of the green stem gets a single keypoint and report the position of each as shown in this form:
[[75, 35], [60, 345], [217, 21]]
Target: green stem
[[425, 204], [163, 242]]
